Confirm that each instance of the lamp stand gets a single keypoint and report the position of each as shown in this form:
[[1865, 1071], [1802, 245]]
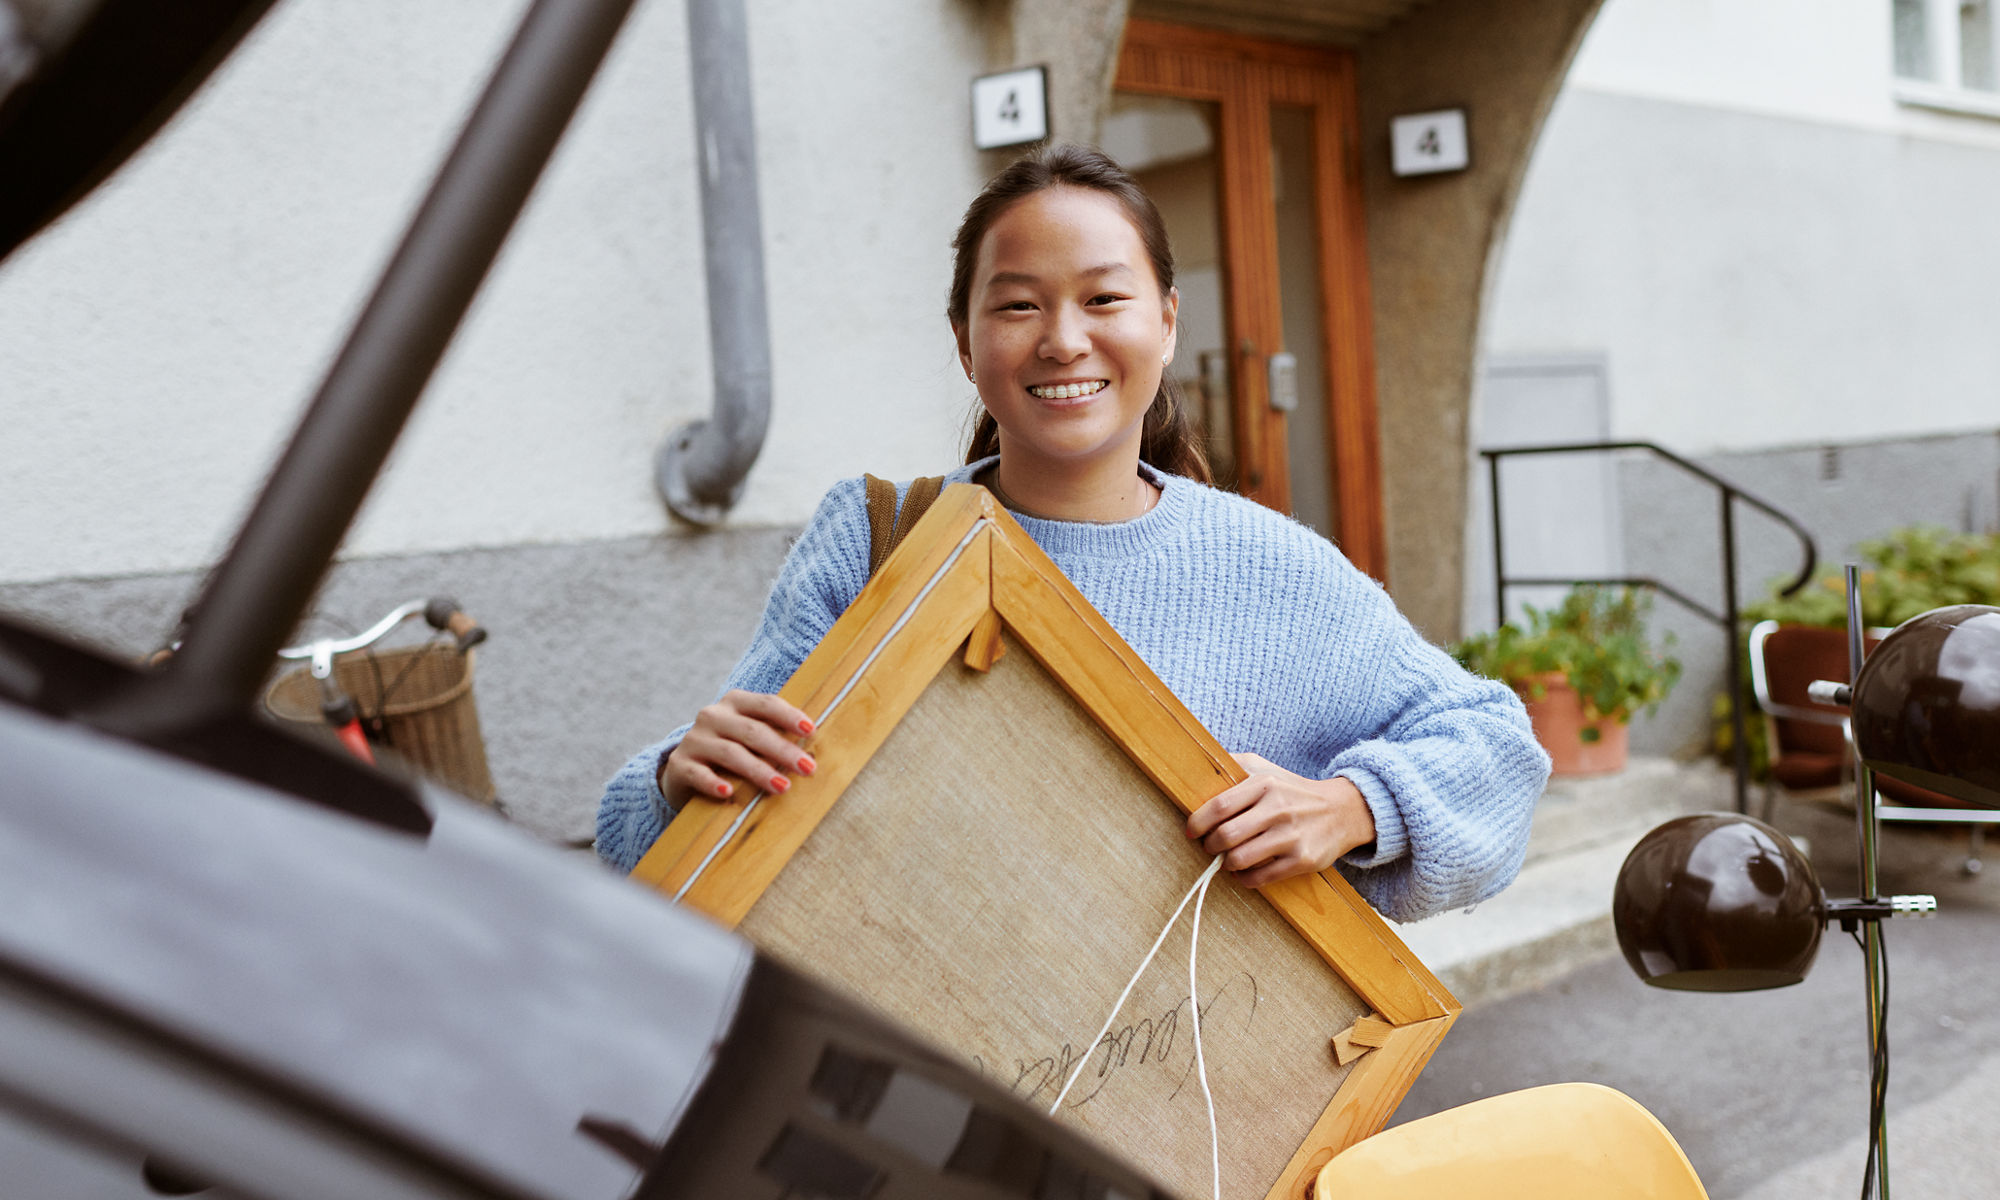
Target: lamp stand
[[1874, 954]]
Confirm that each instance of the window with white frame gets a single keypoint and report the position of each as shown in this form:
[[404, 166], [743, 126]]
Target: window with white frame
[[1947, 54]]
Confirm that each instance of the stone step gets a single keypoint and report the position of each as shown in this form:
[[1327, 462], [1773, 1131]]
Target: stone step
[[1557, 914], [1579, 813]]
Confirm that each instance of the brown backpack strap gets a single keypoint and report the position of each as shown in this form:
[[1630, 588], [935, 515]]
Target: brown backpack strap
[[881, 520], [886, 527]]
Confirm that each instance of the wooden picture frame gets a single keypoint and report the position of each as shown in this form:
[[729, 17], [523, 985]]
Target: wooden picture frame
[[964, 586]]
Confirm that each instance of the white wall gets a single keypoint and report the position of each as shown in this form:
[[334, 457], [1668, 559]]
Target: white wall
[[1728, 205], [1816, 60], [157, 344]]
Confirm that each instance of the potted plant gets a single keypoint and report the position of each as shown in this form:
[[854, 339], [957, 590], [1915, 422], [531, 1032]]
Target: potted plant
[[1583, 668], [1910, 570]]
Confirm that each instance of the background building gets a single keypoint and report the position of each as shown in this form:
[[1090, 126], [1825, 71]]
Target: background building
[[1765, 236], [1742, 234]]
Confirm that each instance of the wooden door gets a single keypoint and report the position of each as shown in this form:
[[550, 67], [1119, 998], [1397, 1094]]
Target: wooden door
[[1289, 287]]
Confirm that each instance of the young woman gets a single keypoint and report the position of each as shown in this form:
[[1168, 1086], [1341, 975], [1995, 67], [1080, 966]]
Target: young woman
[[1368, 748]]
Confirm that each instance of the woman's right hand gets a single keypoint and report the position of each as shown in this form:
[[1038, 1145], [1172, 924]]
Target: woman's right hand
[[747, 737]]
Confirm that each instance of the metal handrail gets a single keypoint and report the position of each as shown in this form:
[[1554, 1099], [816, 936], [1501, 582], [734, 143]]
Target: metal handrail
[[1729, 619]]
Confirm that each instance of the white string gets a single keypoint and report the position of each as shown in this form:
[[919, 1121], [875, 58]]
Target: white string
[[1199, 894], [1194, 1007], [853, 679]]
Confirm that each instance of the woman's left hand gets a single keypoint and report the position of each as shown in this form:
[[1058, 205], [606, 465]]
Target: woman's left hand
[[1275, 824]]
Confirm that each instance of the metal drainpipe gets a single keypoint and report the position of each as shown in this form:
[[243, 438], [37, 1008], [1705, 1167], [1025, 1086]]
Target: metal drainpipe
[[701, 466]]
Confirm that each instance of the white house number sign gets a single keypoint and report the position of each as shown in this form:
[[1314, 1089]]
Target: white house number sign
[[1427, 143], [1010, 109]]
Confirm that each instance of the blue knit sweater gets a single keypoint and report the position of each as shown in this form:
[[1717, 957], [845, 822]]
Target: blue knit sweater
[[1266, 632]]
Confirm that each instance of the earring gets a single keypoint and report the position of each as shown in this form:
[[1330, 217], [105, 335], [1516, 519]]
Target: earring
[[1165, 359], [971, 377]]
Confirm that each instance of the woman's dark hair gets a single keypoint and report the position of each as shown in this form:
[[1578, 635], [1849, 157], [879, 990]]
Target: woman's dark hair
[[1168, 439]]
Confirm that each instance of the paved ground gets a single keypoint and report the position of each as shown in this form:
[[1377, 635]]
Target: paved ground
[[1767, 1091]]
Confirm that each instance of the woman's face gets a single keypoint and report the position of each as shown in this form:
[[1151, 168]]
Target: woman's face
[[1066, 330]]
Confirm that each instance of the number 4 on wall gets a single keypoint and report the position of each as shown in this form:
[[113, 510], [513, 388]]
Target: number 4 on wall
[[1010, 109], [1428, 143]]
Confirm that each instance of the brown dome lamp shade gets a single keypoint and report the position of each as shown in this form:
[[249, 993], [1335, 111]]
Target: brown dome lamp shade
[[1722, 903], [1718, 903], [1926, 708]]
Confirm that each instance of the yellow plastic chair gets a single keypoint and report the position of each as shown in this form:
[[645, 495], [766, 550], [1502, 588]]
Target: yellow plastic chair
[[1567, 1141]]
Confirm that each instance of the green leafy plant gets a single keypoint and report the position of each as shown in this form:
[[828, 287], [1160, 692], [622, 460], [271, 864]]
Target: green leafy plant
[[1596, 638], [1907, 571]]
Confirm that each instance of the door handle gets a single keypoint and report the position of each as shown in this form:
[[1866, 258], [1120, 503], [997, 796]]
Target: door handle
[[1282, 369]]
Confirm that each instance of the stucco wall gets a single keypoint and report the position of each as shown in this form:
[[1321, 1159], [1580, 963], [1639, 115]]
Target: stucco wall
[[1757, 280], [594, 650], [1763, 241], [1843, 495], [1819, 60], [156, 345], [1786, 273], [1429, 239], [1076, 40]]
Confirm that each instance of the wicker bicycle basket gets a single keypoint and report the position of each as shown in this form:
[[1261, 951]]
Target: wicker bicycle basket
[[430, 719]]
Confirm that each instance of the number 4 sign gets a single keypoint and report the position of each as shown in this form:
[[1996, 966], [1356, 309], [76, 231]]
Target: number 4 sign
[[1426, 143], [1010, 109]]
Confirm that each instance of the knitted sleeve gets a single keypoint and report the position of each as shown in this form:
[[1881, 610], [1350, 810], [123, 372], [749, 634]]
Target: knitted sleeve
[[821, 576], [1451, 775]]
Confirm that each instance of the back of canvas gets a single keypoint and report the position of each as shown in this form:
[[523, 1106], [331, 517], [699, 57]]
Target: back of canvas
[[994, 876]]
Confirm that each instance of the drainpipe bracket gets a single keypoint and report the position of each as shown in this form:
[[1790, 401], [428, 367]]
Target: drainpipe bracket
[[684, 497]]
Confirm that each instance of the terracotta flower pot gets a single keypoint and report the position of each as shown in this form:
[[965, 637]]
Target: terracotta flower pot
[[1562, 731]]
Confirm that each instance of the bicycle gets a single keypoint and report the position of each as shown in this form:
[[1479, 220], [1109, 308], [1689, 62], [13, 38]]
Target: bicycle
[[417, 700]]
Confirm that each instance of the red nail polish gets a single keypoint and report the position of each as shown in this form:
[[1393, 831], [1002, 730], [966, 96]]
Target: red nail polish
[[779, 783], [805, 725], [805, 765], [723, 790]]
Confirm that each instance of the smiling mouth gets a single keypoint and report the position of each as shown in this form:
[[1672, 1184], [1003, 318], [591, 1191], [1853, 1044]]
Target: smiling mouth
[[1068, 391]]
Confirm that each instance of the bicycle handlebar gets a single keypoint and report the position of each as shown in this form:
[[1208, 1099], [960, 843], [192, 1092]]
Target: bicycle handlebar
[[468, 631], [360, 641], [439, 613]]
